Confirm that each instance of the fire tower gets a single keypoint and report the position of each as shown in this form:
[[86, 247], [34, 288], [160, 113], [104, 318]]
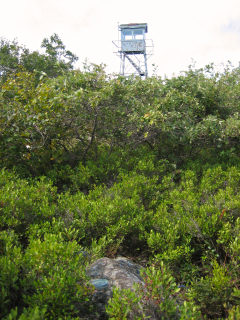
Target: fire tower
[[134, 49]]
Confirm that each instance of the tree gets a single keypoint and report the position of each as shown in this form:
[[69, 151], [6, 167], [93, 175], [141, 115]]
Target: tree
[[54, 61], [9, 57]]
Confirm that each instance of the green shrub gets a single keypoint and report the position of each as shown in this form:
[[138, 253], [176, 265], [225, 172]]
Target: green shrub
[[125, 304], [122, 211], [234, 313], [54, 277], [160, 298], [24, 203], [27, 314], [10, 274], [212, 293]]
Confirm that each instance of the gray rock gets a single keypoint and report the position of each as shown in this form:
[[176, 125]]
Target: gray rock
[[106, 273], [120, 272]]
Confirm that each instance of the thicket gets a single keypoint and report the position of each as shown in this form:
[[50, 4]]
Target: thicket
[[95, 165]]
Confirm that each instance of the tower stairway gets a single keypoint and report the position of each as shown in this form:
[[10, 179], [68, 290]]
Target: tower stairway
[[141, 73]]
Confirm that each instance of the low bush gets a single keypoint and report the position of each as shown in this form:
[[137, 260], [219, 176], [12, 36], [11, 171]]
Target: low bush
[[54, 278], [160, 298], [10, 274]]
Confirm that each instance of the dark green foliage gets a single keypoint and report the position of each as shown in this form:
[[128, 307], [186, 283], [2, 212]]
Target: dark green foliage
[[10, 264]]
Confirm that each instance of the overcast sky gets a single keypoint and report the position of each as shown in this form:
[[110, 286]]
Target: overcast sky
[[182, 30]]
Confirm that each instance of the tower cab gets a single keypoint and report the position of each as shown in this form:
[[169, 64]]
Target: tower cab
[[133, 38]]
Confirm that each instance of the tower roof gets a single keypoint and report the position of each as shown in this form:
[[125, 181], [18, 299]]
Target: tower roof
[[134, 26]]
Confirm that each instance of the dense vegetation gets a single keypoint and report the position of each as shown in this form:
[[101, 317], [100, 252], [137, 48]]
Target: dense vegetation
[[97, 165]]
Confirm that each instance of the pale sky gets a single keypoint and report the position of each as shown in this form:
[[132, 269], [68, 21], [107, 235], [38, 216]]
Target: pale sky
[[182, 30]]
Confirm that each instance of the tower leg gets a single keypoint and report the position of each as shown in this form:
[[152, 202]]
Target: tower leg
[[145, 62], [122, 67]]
